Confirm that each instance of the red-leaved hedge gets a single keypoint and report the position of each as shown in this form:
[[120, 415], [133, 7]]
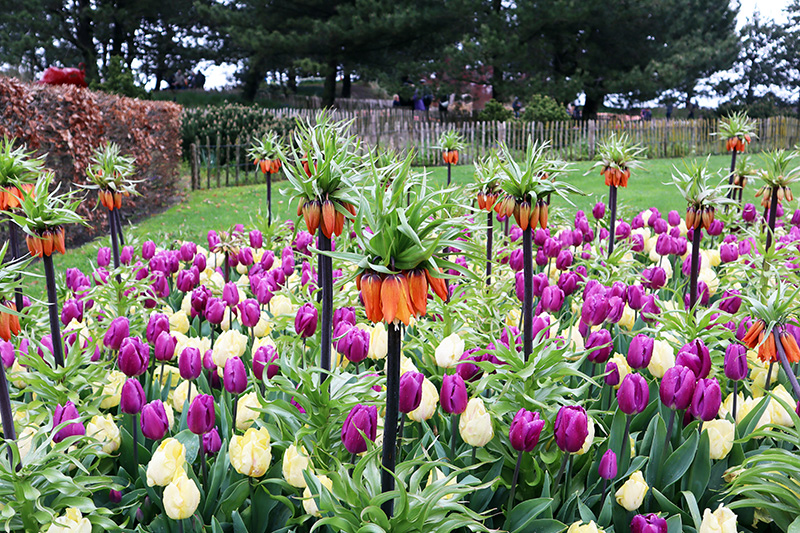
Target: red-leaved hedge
[[67, 123]]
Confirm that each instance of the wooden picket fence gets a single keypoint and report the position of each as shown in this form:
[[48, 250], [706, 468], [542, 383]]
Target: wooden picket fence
[[403, 130]]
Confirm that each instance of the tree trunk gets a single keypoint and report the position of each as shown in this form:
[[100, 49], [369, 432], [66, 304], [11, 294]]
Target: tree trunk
[[84, 34], [329, 90], [346, 84], [591, 106], [252, 80], [291, 81]]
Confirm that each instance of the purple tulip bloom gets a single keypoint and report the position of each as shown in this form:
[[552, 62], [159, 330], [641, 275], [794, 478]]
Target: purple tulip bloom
[[265, 357], [357, 345], [599, 210], [749, 212], [187, 280], [154, 421], [648, 523], [132, 397], [728, 253], [612, 374], [249, 313], [234, 376], [552, 299], [515, 260], [608, 465], [64, 414], [104, 257], [695, 356], [410, 391], [454, 394], [361, 419], [211, 442], [599, 346], [706, 399], [677, 387], [525, 430], [595, 309], [148, 250], [215, 310], [117, 331], [190, 363], [571, 428], [200, 418], [72, 310], [633, 394], [344, 314], [165, 347], [230, 294], [640, 351], [134, 356], [305, 321]]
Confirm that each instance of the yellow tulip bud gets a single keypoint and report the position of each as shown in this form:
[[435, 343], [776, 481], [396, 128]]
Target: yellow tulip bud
[[427, 406], [181, 497], [246, 413], [631, 494], [475, 424], [105, 430], [112, 389], [168, 458], [449, 351], [309, 503], [723, 520], [230, 344], [580, 527], [72, 521], [720, 438], [295, 462]]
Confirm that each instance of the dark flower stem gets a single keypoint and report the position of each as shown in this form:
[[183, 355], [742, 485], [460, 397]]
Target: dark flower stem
[[203, 461], [625, 440], [785, 364], [560, 473], [669, 429], [612, 204], [769, 375], [6, 415], [603, 497], [268, 177], [514, 482], [448, 174], [227, 268], [696, 237], [732, 191], [112, 223], [234, 402], [14, 238], [326, 277], [135, 435], [392, 408], [489, 236], [118, 218], [453, 432], [527, 304], [400, 435], [773, 213], [735, 393], [52, 308]]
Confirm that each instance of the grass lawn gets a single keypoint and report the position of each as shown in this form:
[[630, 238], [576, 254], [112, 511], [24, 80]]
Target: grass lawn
[[222, 208]]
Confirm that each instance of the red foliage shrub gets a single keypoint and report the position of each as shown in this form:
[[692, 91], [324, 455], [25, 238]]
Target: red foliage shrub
[[67, 123]]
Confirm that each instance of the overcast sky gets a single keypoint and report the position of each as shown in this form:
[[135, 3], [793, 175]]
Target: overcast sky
[[218, 76]]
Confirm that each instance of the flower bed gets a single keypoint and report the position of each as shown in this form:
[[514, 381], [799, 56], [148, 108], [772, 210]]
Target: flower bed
[[565, 388]]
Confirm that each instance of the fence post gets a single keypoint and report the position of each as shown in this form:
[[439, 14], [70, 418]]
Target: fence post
[[208, 163], [227, 161], [193, 156], [237, 161], [216, 152]]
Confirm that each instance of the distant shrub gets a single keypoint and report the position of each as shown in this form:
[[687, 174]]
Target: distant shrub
[[495, 112], [119, 80], [542, 108], [67, 123], [230, 122]]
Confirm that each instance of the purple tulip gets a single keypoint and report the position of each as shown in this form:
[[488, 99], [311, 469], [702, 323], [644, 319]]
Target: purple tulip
[[454, 394], [599, 346], [552, 299], [612, 374], [201, 417], [735, 362], [65, 414], [648, 523], [637, 222], [633, 394], [728, 253], [213, 240], [608, 465], [568, 282], [616, 306], [716, 227], [165, 347], [132, 397], [117, 331], [654, 278], [749, 212], [564, 260], [706, 399], [541, 324], [677, 387], [357, 345], [660, 226], [265, 357], [246, 257], [199, 300], [515, 260], [190, 363], [305, 321], [640, 351], [199, 262], [187, 280], [230, 294], [344, 314], [154, 421], [695, 356], [126, 255], [551, 247], [134, 356], [571, 428], [158, 323], [7, 354], [623, 230], [215, 310], [525, 430], [361, 419], [731, 301], [249, 312], [148, 250], [234, 376], [104, 257], [599, 210], [263, 291], [72, 310], [211, 442], [595, 309], [635, 296], [540, 259], [410, 391], [187, 251], [796, 218]]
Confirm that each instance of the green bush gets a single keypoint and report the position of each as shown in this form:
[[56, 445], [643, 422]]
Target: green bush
[[230, 122], [495, 112], [542, 108], [119, 80]]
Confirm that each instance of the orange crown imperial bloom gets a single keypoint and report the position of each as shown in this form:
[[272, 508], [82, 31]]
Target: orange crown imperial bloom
[[438, 285], [418, 291], [9, 324], [371, 294], [766, 352], [395, 300], [751, 337], [328, 219], [790, 347], [311, 214], [46, 243]]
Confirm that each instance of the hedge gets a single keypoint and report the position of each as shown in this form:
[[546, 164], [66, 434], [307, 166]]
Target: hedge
[[67, 123]]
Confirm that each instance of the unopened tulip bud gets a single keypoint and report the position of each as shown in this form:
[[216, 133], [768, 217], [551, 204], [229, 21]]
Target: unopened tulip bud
[[211, 442], [453, 397], [200, 418], [633, 394], [706, 399], [361, 419], [677, 387], [571, 428], [640, 351], [599, 342], [234, 376], [154, 421], [608, 465], [735, 362], [117, 331], [525, 430], [64, 414], [410, 391], [165, 347], [305, 321], [134, 356]]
